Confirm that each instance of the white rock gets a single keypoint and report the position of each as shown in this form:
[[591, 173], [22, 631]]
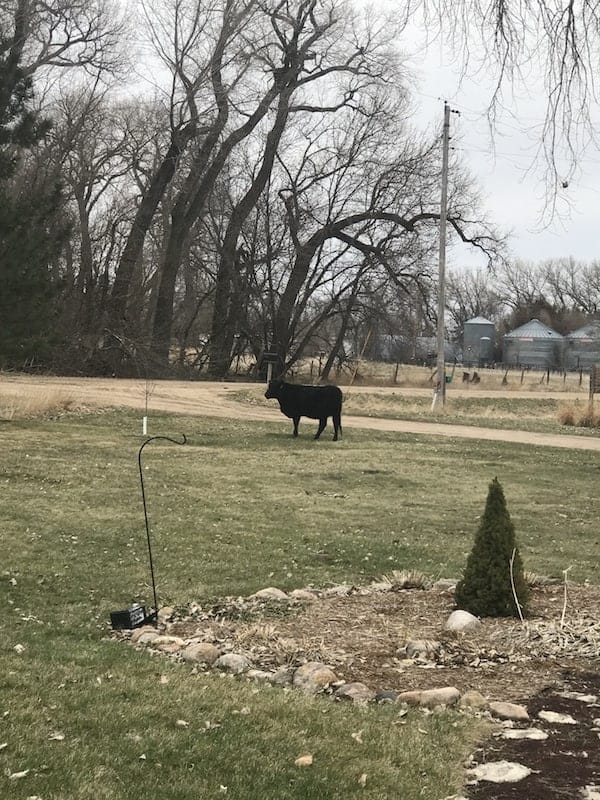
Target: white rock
[[165, 613], [473, 699], [445, 585], [358, 692], [270, 593], [201, 653], [148, 637], [524, 733], [260, 675], [313, 677], [559, 719], [500, 772], [159, 640], [583, 698], [303, 594], [425, 648], [509, 711], [590, 793], [381, 586], [430, 698], [462, 622], [138, 632], [338, 591], [232, 662]]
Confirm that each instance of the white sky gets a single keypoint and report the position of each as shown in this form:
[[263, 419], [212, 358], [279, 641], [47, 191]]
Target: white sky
[[510, 180]]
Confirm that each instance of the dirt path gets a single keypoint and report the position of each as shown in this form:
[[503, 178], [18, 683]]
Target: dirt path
[[214, 399]]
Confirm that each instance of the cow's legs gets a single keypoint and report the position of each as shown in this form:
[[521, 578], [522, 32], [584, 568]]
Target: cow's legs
[[296, 421], [321, 428], [337, 426]]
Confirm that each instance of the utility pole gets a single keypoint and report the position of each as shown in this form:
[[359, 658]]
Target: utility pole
[[439, 395]]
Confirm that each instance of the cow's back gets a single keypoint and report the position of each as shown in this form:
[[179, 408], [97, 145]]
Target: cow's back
[[315, 402]]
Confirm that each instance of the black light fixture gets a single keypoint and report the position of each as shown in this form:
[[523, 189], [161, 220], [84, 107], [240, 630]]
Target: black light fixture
[[135, 615]]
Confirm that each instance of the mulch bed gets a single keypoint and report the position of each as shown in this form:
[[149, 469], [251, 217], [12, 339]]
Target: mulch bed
[[566, 762]]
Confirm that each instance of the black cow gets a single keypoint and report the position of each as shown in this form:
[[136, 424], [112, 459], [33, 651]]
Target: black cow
[[316, 402]]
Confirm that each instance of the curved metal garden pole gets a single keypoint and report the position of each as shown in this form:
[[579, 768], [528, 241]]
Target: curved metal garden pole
[[152, 617]]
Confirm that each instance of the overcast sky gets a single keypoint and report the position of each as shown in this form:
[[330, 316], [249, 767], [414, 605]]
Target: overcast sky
[[510, 180]]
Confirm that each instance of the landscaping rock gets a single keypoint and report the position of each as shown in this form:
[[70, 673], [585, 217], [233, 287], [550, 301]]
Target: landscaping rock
[[357, 692], [135, 634], [590, 793], [445, 585], [381, 586], [303, 594], [462, 622], [524, 733], [313, 677], [556, 718], [259, 675], [270, 593], [283, 676], [338, 591], [500, 772], [201, 653], [511, 711], [387, 696], [422, 648], [165, 614], [232, 662], [160, 640], [430, 698], [473, 699], [148, 637], [168, 647]]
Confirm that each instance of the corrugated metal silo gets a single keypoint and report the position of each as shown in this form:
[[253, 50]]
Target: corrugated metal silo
[[533, 345], [479, 335], [583, 347]]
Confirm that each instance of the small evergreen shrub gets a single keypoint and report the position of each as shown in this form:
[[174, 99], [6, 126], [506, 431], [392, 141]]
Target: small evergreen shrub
[[485, 589]]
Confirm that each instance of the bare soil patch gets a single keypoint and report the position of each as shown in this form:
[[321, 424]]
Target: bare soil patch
[[363, 637]]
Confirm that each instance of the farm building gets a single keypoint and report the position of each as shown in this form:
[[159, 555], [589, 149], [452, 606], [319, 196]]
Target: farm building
[[582, 347], [479, 336], [533, 345]]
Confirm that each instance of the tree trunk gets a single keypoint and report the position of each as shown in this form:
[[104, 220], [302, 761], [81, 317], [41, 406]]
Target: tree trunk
[[132, 252], [163, 313], [339, 339]]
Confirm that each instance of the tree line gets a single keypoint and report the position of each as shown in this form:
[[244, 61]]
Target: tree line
[[184, 182]]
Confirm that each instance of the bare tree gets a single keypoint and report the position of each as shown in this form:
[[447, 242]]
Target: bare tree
[[62, 34], [471, 293], [378, 197], [553, 40]]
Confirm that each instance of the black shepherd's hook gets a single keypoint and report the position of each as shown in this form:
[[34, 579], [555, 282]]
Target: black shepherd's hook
[[152, 617]]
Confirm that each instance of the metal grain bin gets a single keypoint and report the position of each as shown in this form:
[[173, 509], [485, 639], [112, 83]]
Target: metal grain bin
[[533, 345], [582, 348], [479, 335]]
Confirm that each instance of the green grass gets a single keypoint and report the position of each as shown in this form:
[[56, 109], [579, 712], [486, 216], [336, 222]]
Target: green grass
[[242, 506]]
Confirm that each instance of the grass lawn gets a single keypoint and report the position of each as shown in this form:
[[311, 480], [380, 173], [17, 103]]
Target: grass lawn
[[242, 506]]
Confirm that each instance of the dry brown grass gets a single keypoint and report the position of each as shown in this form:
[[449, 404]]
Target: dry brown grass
[[16, 404], [376, 373], [579, 415]]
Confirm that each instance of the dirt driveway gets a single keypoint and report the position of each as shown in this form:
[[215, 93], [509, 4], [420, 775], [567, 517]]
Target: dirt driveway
[[215, 399]]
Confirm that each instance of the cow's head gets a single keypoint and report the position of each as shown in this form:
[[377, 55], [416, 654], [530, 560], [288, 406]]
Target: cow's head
[[274, 389]]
